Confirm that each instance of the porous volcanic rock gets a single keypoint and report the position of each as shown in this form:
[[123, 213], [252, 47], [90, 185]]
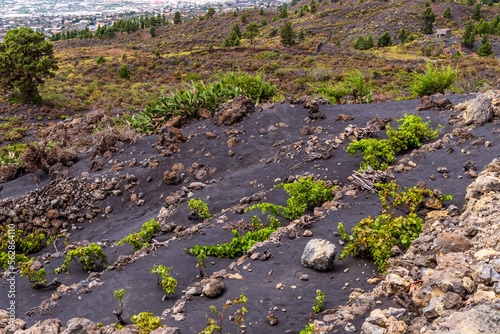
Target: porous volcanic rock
[[319, 254]]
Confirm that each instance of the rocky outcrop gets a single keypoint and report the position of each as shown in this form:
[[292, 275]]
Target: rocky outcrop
[[479, 110], [233, 111], [429, 103], [58, 204]]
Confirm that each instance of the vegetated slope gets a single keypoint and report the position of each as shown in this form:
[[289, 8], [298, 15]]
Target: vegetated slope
[[267, 148]]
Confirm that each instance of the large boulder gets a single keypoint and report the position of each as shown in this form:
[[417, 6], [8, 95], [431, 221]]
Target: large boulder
[[213, 287], [479, 111], [482, 319], [319, 254], [233, 111]]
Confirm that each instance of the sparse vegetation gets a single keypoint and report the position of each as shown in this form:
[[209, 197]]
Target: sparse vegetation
[[165, 280], [433, 80], [146, 322], [88, 255], [143, 237], [214, 325], [200, 207]]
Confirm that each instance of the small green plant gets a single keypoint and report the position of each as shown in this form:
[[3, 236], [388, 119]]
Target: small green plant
[[215, 324], [143, 237], [124, 72], [380, 153], [303, 192], [34, 276], [119, 295], [200, 207], [86, 255], [30, 243], [375, 238], [308, 330], [320, 297], [200, 264], [100, 60], [55, 239], [167, 282], [433, 80], [237, 246], [146, 322]]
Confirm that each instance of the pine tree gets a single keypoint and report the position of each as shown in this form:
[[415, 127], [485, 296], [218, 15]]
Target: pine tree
[[469, 35], [471, 2], [384, 40], [447, 13], [234, 37], [283, 12], [485, 49], [251, 31], [152, 31], [402, 35], [476, 14], [210, 13], [261, 11], [177, 17], [312, 6], [428, 19], [26, 58], [287, 34]]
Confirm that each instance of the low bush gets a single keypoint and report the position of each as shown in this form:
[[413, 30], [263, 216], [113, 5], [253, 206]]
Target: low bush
[[303, 192], [200, 207], [355, 84], [86, 255], [165, 280], [433, 80], [380, 153], [143, 237], [375, 238], [34, 276], [146, 322]]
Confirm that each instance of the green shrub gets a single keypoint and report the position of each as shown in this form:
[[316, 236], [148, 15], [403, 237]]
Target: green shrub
[[355, 85], [143, 237], [253, 86], [384, 40], [200, 207], [30, 243], [363, 43], [146, 322], [303, 192], [215, 324], [237, 246], [167, 282], [34, 276], [320, 297], [86, 255], [433, 80], [379, 153], [100, 60], [375, 238], [124, 72]]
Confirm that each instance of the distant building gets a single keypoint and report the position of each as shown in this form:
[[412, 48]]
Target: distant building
[[443, 33]]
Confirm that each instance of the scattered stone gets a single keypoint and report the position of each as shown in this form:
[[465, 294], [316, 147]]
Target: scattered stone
[[307, 233], [233, 111], [213, 287], [272, 319]]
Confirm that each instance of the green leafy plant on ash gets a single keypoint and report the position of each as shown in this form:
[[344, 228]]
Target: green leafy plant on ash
[[375, 238], [167, 282], [146, 322], [380, 153], [200, 207], [87, 255], [143, 237], [320, 297], [214, 324]]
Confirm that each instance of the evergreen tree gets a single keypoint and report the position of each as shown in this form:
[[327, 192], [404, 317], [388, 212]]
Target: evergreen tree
[[301, 34], [312, 6], [177, 17], [384, 40], [485, 49], [471, 2], [261, 11], [244, 18], [263, 21], [26, 58], [283, 12], [141, 21], [447, 13], [152, 31], [251, 31], [124, 72], [476, 14], [483, 28], [234, 37], [469, 35], [402, 35], [287, 34], [490, 2], [428, 19], [210, 13]]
